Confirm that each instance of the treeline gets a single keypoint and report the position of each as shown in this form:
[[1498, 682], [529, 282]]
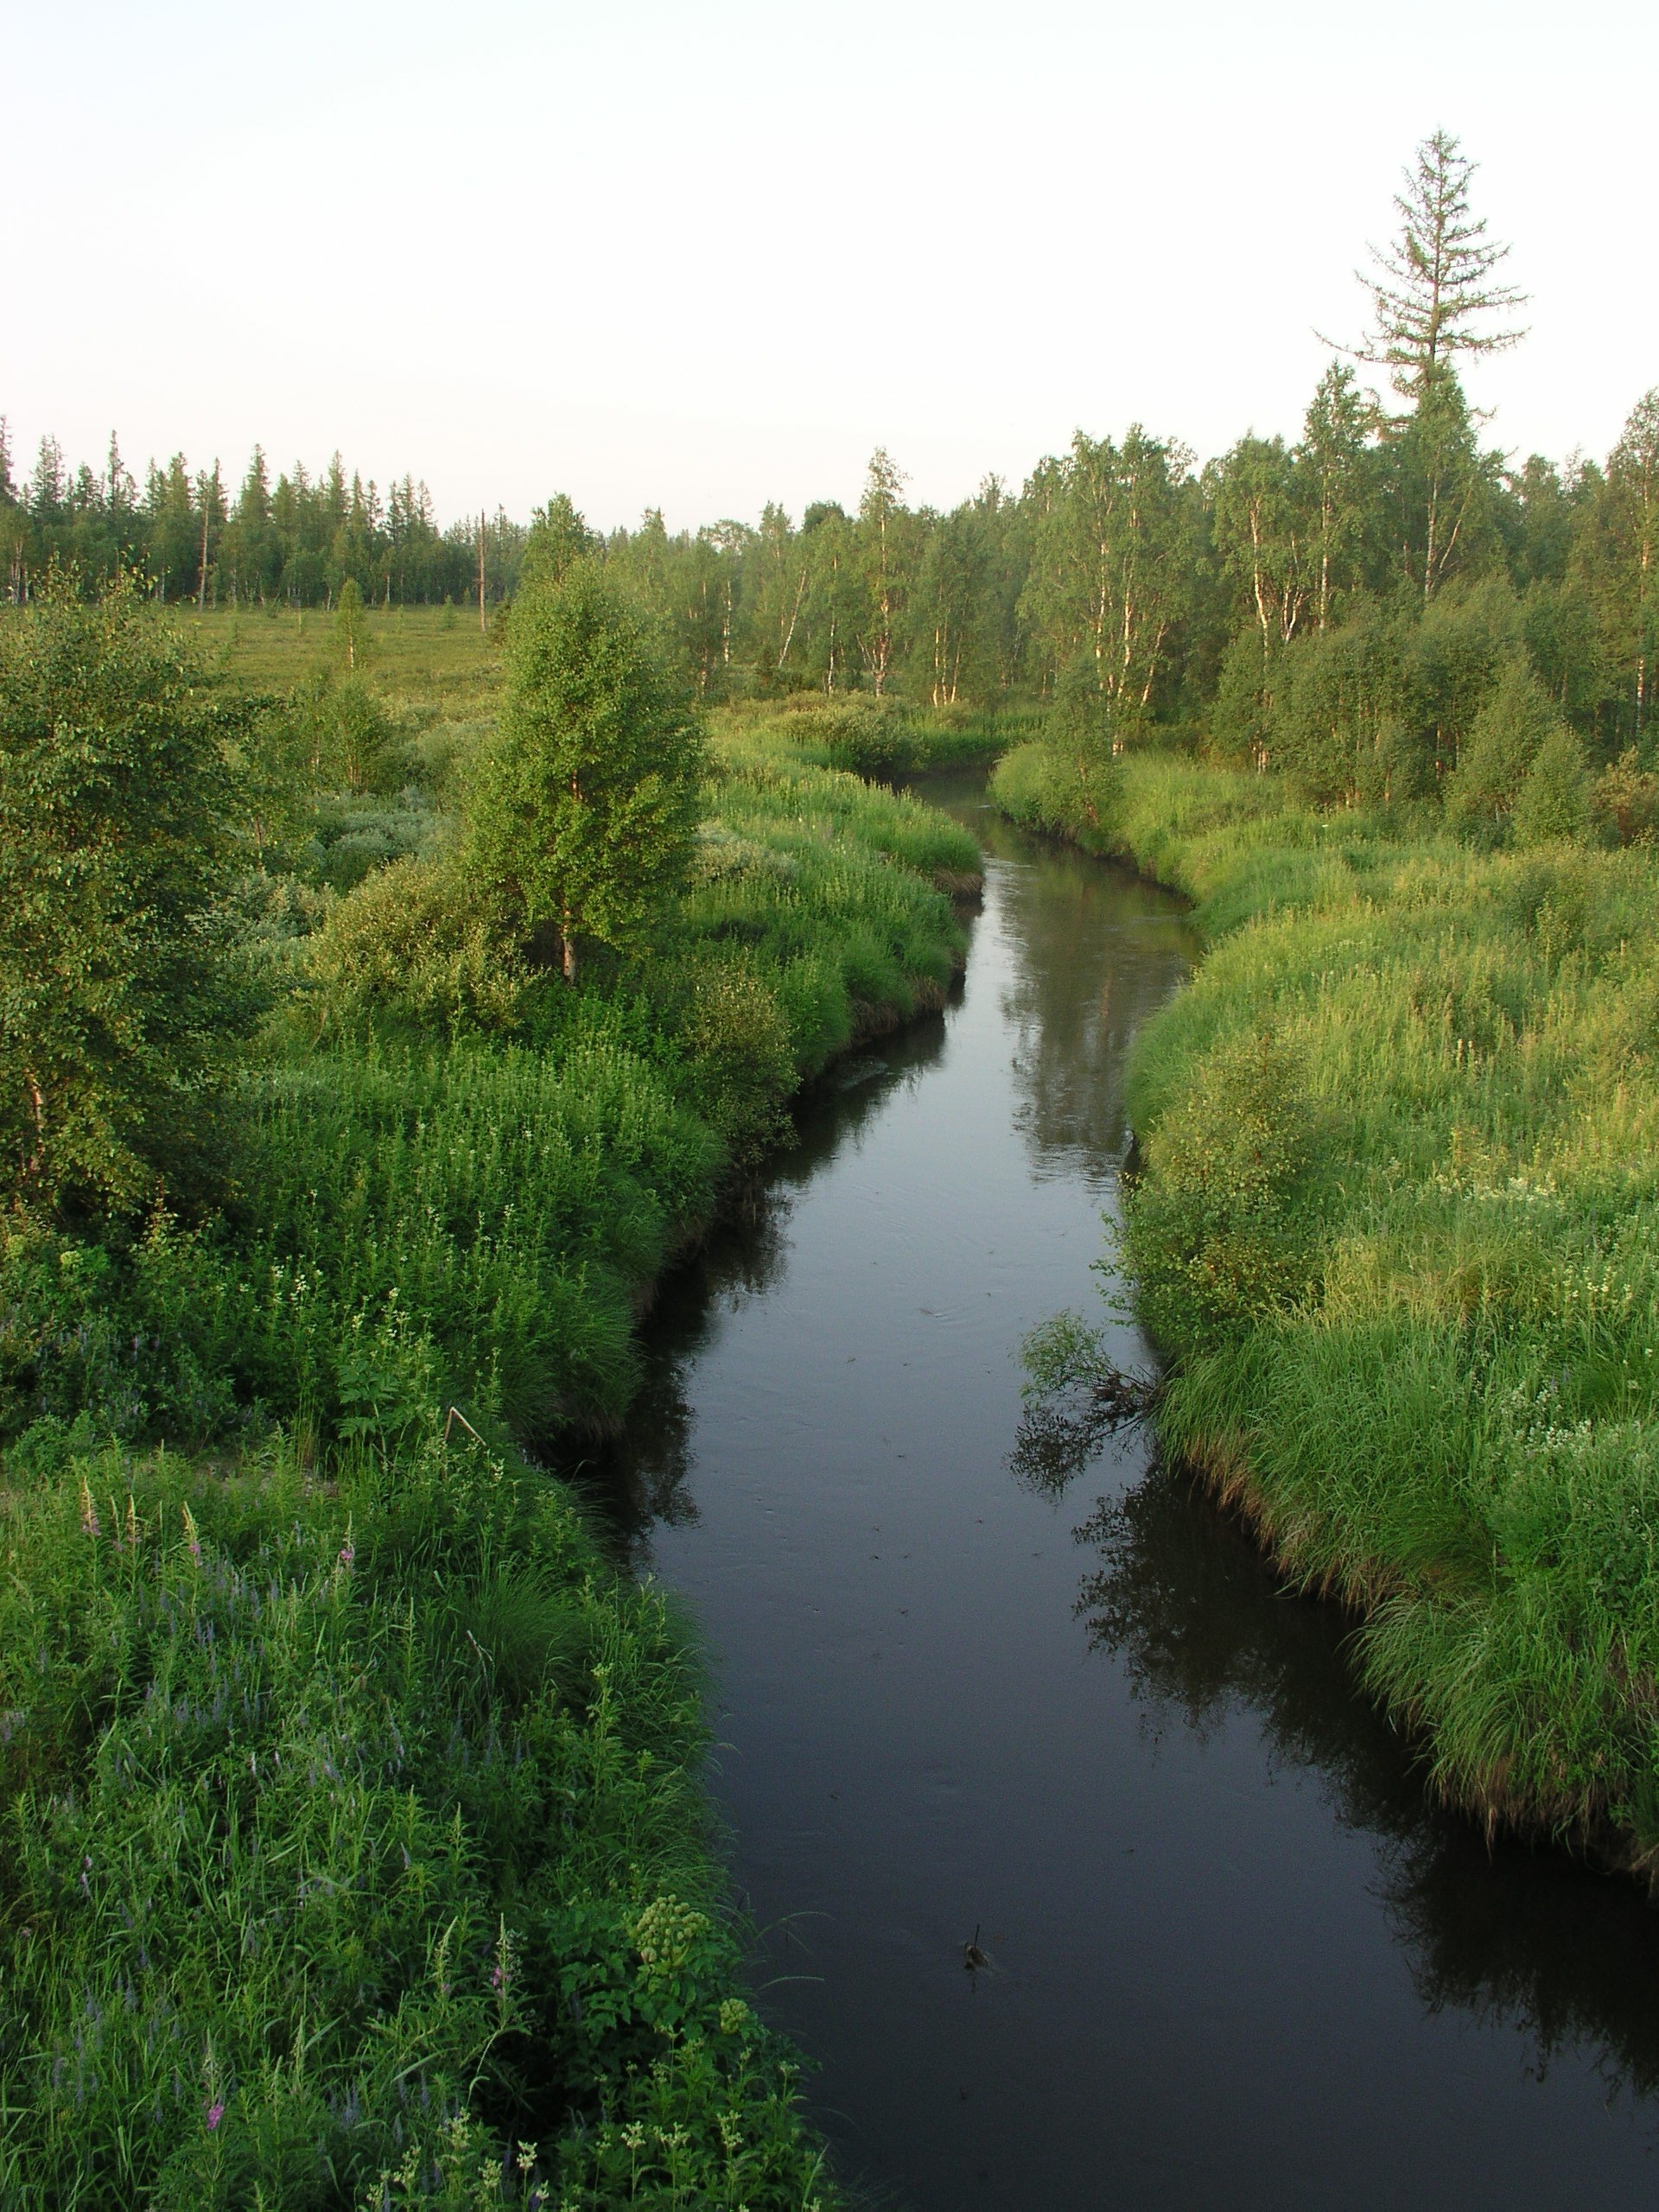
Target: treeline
[[1339, 606], [191, 536]]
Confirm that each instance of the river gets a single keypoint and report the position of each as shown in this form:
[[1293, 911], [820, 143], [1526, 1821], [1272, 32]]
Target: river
[[1236, 1958]]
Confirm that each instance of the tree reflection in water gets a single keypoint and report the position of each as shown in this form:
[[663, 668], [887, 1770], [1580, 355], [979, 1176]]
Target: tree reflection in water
[[1181, 1596], [639, 1476]]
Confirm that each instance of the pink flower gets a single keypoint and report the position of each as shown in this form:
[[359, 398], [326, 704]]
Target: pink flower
[[215, 2113], [346, 1553]]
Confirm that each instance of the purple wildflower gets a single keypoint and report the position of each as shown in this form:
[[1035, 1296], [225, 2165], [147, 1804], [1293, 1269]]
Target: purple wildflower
[[215, 2113]]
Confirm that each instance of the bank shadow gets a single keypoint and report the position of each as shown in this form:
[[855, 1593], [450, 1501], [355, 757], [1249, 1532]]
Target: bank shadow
[[642, 1475], [1523, 1935]]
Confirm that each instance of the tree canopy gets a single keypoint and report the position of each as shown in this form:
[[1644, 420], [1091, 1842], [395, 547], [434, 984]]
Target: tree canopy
[[586, 806]]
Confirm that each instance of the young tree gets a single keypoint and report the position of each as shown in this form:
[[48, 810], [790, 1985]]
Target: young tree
[[1508, 735], [586, 807], [351, 627], [1334, 458], [880, 516], [118, 1011], [1553, 806], [558, 536], [1433, 288]]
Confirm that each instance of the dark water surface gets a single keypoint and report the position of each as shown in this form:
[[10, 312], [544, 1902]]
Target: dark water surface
[[1238, 1961]]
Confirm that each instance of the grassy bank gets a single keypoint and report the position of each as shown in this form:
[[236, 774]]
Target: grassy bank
[[879, 739], [1396, 1225], [356, 1844], [358, 1852]]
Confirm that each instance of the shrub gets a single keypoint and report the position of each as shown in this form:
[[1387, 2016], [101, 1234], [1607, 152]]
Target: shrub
[[419, 944], [1210, 1239], [121, 1006]]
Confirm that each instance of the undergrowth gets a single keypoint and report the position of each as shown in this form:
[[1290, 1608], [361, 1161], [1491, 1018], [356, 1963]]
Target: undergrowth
[[357, 1853]]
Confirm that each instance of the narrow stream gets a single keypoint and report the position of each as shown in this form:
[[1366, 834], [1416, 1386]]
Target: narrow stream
[[1238, 1961]]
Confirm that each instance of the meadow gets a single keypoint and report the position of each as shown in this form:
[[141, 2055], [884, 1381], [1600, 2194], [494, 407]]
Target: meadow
[[1394, 1226]]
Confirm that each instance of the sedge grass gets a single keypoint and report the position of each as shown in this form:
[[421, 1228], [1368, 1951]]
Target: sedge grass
[[1416, 1334]]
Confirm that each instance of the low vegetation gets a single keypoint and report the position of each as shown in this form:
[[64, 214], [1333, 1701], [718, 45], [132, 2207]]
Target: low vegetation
[[358, 1850], [1394, 1221]]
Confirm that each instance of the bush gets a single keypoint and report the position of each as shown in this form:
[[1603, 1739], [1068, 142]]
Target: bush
[[418, 945], [121, 1003], [1212, 1241]]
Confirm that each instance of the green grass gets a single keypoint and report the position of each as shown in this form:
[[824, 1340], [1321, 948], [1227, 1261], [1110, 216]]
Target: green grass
[[881, 738], [436, 658], [1397, 1225], [348, 1832], [355, 1823]]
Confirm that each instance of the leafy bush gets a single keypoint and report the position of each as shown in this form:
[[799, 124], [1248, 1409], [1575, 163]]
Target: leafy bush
[[121, 1004], [419, 945], [1554, 805], [1210, 1239]]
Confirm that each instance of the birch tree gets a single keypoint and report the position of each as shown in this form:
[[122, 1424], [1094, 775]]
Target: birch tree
[[1112, 566]]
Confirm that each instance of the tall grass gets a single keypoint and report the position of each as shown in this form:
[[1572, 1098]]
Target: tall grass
[[879, 738], [346, 1826], [1397, 1225]]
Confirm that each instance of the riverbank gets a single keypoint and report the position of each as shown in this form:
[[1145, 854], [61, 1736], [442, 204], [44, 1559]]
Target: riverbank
[[361, 1825], [1394, 1227]]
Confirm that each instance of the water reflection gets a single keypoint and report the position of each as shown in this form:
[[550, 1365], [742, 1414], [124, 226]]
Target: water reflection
[[1183, 1599], [1066, 918], [642, 1476], [1214, 1990]]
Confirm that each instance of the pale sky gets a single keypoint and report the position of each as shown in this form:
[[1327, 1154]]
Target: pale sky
[[703, 257]]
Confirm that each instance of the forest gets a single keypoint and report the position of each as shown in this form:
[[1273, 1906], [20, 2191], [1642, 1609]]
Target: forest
[[417, 940]]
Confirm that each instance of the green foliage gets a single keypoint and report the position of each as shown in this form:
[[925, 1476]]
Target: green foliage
[[1554, 804], [357, 1801], [120, 1006], [735, 1034], [1068, 790], [416, 947], [584, 808], [1504, 740], [350, 631], [295, 1893], [1627, 799], [558, 538], [1211, 1240]]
